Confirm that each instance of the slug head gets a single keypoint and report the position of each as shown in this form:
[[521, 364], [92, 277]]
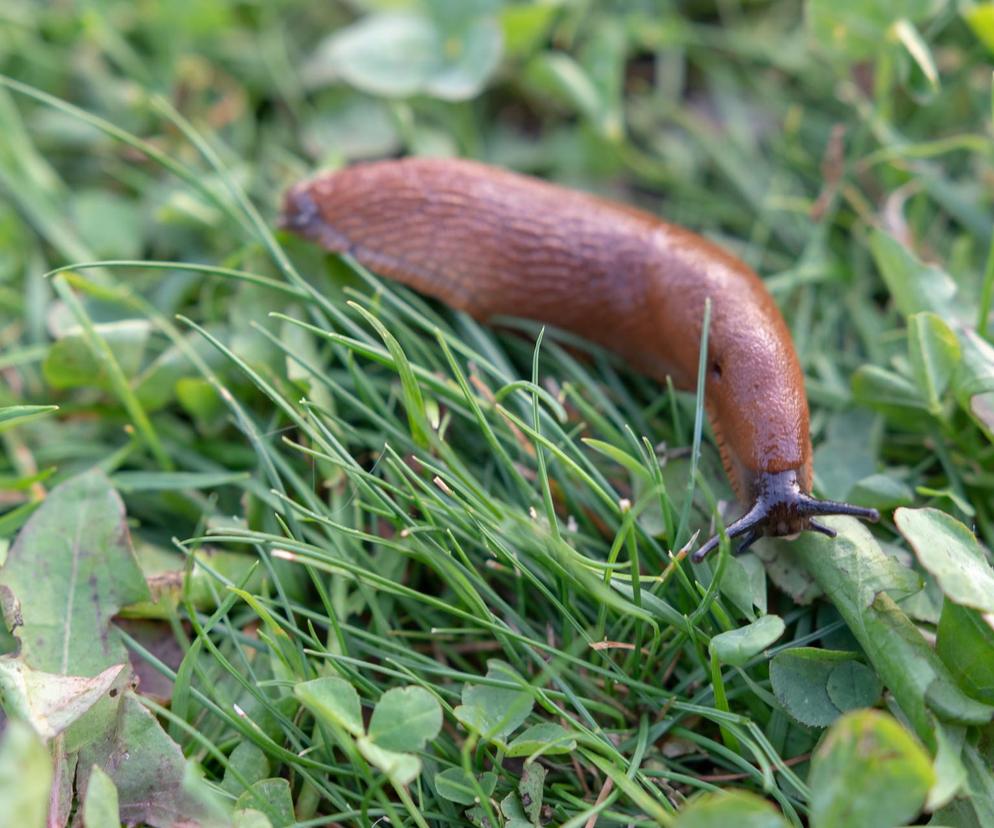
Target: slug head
[[783, 509]]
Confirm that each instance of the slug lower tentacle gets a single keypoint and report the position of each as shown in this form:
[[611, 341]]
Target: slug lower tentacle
[[495, 243]]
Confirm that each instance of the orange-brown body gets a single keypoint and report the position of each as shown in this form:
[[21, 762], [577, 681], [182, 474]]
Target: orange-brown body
[[493, 243]]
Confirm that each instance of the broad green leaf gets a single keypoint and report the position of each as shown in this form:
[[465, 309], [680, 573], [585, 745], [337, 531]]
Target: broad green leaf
[[401, 768], [456, 786], [472, 56], [887, 392], [478, 817], [155, 785], [49, 702], [868, 772], [744, 584], [71, 363], [355, 128], [545, 737], [881, 491], [965, 642], [15, 415], [919, 288], [851, 685], [334, 700], [925, 605], [721, 809], [160, 381], [950, 772], [980, 17], [25, 775], [948, 550], [973, 382], [109, 224], [200, 399], [512, 809], [867, 568], [170, 580], [784, 571], [737, 646], [70, 570], [526, 25], [914, 286], [960, 813], [847, 454], [404, 719], [854, 574], [100, 808], [980, 780], [271, 797], [456, 13], [399, 54], [250, 818], [531, 789], [494, 712], [945, 698], [250, 762], [934, 353], [802, 677]]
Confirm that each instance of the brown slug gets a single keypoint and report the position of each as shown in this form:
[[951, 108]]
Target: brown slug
[[492, 242]]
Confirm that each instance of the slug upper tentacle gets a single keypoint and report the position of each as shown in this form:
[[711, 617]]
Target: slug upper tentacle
[[495, 243]]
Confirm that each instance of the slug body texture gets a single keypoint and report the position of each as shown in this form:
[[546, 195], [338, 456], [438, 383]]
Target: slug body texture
[[496, 243]]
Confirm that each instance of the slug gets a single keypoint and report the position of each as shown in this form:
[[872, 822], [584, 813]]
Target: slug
[[492, 242]]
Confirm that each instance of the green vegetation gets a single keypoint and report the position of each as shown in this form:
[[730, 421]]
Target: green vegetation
[[373, 562]]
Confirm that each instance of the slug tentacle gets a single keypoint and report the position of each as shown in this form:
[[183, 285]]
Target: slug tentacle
[[828, 531], [782, 509]]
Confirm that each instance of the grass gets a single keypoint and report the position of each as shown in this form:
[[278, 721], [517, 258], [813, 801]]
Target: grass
[[495, 518]]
